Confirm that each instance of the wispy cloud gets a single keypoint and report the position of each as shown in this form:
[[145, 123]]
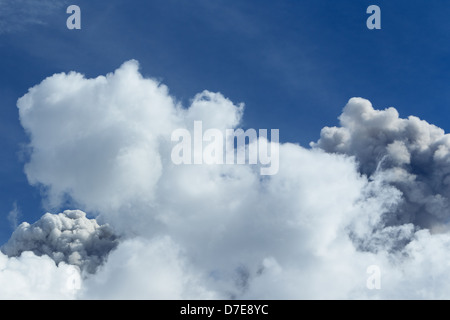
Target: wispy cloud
[[14, 216], [16, 15]]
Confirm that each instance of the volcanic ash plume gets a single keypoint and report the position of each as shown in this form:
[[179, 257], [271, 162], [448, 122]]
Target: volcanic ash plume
[[68, 237]]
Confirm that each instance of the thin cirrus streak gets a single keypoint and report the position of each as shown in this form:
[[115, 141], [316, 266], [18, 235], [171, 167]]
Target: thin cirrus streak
[[17, 15]]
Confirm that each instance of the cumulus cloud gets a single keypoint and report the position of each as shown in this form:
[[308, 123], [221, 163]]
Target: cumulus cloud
[[372, 191], [33, 277], [110, 124], [144, 269]]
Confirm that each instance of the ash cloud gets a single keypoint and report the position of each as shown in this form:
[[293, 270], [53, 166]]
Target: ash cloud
[[409, 154], [68, 237], [372, 191]]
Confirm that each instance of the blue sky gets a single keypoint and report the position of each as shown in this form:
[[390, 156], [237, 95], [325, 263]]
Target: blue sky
[[294, 64]]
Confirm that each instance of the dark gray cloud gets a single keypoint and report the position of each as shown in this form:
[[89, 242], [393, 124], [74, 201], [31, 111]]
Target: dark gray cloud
[[68, 237], [409, 154]]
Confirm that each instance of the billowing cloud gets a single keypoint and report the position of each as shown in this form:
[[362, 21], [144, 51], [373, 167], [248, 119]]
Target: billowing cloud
[[143, 269], [370, 192], [33, 277], [103, 125], [409, 154], [67, 237]]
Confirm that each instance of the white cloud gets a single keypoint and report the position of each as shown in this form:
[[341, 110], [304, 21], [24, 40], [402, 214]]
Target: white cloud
[[33, 277], [224, 231], [143, 269], [104, 125]]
